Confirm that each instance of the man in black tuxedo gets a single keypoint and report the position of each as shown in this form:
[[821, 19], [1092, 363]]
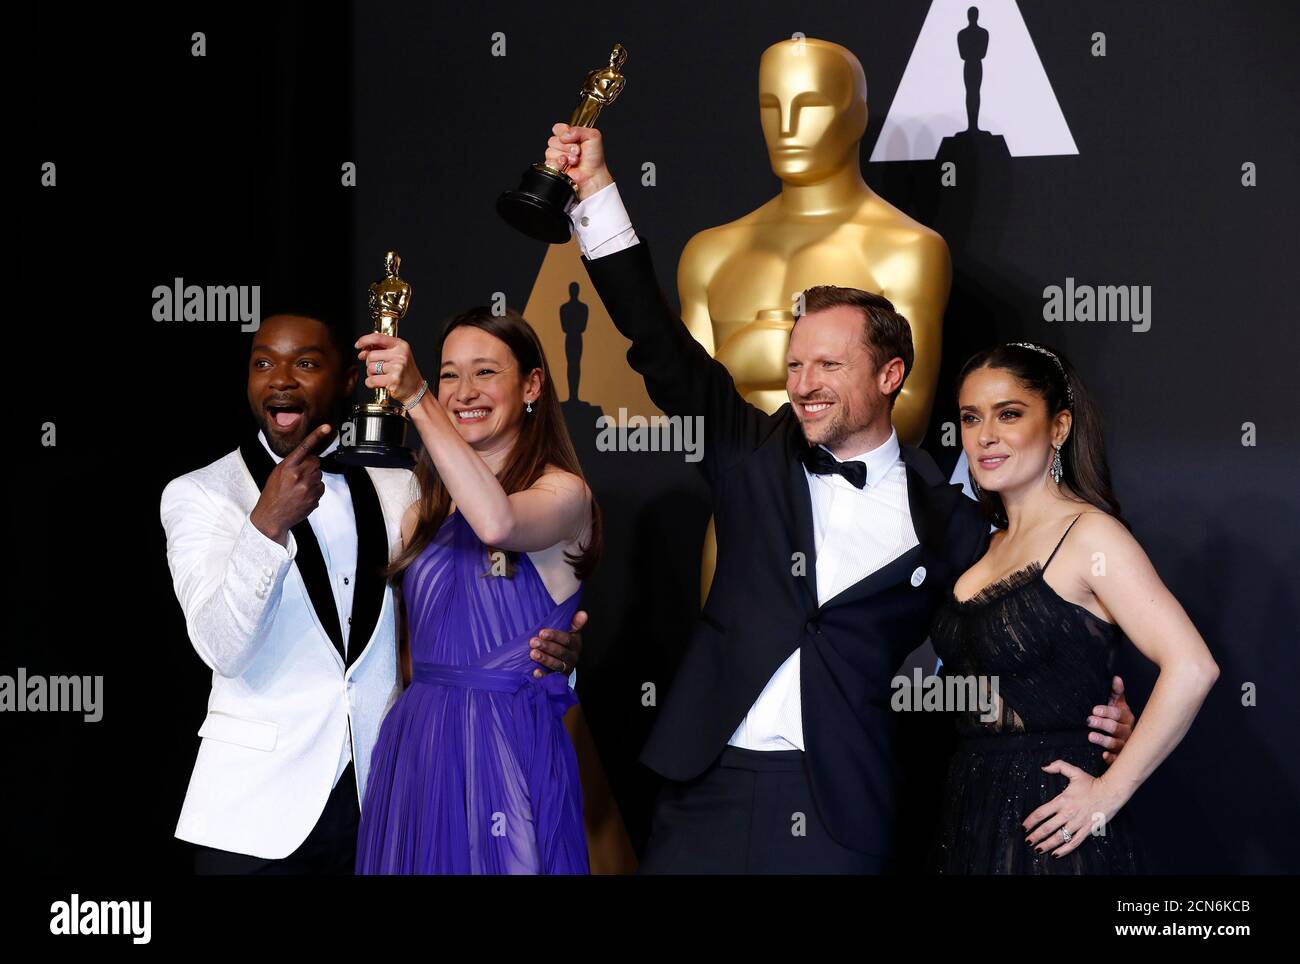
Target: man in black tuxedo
[[835, 546]]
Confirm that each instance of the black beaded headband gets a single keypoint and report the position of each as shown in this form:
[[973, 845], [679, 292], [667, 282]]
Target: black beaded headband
[[1069, 392]]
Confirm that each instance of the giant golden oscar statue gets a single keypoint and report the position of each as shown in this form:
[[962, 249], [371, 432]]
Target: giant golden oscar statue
[[737, 282]]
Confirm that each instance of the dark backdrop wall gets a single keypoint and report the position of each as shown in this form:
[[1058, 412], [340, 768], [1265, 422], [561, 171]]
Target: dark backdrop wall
[[226, 169]]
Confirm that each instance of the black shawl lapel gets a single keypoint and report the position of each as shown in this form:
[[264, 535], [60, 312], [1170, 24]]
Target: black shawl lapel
[[930, 497], [310, 562], [801, 499], [372, 557]]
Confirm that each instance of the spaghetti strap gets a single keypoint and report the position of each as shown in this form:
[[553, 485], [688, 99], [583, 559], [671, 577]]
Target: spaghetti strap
[[1062, 539]]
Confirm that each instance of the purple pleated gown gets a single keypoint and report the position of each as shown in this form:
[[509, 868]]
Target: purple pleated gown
[[473, 771]]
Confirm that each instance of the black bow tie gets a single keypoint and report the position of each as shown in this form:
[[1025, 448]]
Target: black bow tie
[[820, 462]]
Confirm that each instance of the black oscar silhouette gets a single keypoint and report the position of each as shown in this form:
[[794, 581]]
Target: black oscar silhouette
[[974, 150], [973, 44], [573, 322], [579, 416]]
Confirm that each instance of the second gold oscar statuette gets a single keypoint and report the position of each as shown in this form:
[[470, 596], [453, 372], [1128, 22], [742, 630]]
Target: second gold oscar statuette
[[376, 433]]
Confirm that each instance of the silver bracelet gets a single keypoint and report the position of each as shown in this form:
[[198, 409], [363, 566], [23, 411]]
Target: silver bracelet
[[414, 400]]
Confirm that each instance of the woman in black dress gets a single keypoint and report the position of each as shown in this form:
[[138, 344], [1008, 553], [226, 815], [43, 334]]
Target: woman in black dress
[[1027, 793]]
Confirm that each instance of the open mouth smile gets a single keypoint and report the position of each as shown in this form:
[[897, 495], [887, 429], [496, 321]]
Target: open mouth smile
[[284, 416]]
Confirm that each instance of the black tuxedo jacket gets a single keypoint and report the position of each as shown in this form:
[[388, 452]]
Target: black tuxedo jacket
[[759, 610]]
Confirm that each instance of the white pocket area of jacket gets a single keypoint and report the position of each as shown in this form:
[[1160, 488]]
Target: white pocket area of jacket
[[240, 730]]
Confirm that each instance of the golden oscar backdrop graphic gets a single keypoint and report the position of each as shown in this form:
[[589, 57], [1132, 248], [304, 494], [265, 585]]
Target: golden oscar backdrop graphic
[[587, 354], [738, 281]]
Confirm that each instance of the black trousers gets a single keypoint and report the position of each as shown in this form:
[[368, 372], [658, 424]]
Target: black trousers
[[330, 848], [752, 812]]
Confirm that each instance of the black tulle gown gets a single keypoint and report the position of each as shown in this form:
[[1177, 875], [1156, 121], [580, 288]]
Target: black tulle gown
[[1054, 661]]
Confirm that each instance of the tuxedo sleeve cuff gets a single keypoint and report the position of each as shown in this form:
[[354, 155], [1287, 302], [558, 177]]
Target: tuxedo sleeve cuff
[[601, 223], [266, 547], [259, 563]]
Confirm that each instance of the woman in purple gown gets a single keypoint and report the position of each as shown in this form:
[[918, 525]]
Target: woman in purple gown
[[473, 771]]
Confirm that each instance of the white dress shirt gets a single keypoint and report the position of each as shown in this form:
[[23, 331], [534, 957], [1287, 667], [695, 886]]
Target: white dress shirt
[[855, 531], [334, 523]]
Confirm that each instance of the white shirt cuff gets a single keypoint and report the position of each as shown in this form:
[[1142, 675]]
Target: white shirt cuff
[[601, 223]]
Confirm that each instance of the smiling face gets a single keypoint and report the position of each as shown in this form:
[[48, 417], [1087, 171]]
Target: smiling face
[[835, 388], [296, 379], [1006, 432], [812, 99], [481, 386]]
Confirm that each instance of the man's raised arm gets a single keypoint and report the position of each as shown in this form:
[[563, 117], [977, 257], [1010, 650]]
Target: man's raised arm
[[680, 376]]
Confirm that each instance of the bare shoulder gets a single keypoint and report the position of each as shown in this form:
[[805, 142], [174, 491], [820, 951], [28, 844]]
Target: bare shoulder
[[576, 497], [563, 483], [1101, 544], [1102, 531]]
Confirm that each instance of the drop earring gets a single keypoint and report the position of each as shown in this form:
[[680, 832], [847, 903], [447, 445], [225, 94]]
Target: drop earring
[[1057, 470], [529, 408]]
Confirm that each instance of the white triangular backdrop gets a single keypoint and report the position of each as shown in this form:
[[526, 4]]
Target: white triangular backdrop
[[1016, 97]]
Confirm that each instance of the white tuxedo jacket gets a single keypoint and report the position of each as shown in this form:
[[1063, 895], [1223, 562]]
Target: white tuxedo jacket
[[283, 701]]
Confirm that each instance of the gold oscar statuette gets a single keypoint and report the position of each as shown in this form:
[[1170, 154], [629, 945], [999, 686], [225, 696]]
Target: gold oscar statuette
[[538, 206], [376, 433]]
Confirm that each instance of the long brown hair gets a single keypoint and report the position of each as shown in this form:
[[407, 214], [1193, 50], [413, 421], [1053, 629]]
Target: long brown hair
[[543, 441], [1084, 467]]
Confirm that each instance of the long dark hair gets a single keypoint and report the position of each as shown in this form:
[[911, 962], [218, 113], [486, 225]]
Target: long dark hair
[[1083, 455], [543, 441]]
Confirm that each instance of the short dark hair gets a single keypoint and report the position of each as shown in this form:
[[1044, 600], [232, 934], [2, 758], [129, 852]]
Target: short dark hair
[[342, 339], [886, 334], [317, 298]]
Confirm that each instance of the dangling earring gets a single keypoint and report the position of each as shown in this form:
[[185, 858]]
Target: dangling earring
[[1057, 470], [529, 408]]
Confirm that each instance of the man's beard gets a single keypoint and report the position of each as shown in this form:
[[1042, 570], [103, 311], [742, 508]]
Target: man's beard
[[282, 444], [835, 431], [279, 443]]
